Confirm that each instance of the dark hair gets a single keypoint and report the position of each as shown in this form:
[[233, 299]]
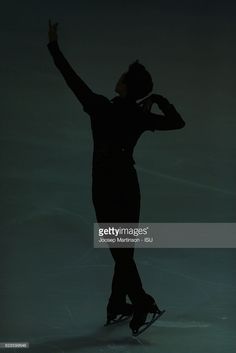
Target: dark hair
[[138, 80]]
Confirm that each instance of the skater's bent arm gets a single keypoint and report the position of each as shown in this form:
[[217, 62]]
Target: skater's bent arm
[[170, 120], [76, 84]]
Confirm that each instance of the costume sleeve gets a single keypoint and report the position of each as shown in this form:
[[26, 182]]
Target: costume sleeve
[[170, 120], [85, 95]]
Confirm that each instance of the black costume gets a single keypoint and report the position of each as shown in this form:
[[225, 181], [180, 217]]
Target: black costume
[[116, 125]]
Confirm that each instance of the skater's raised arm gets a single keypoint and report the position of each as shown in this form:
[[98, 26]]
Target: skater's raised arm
[[170, 120], [76, 84]]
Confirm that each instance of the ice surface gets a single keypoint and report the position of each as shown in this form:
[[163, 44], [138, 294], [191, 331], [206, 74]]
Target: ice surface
[[55, 286]]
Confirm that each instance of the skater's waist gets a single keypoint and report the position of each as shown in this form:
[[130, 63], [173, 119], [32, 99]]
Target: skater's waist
[[113, 168], [113, 156]]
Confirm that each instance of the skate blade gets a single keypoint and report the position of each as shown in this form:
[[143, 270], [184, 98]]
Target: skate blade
[[121, 318], [155, 317]]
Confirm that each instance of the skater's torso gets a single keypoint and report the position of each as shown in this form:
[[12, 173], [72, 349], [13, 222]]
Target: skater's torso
[[116, 129]]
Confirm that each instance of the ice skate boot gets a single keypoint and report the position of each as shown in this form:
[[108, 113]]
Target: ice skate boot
[[118, 313], [138, 324]]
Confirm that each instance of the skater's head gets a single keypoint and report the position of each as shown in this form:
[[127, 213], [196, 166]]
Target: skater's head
[[136, 83]]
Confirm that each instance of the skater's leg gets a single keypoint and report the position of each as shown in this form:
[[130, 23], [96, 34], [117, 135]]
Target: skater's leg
[[118, 288], [121, 204], [126, 279], [126, 209], [126, 276]]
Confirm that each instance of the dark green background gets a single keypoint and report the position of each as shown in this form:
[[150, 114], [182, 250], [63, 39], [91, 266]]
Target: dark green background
[[54, 284]]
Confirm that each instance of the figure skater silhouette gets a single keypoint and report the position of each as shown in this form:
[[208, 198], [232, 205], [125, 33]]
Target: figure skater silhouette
[[116, 125]]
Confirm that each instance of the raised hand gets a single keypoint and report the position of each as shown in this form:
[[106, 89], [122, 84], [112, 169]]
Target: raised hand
[[146, 104], [52, 31], [160, 100]]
